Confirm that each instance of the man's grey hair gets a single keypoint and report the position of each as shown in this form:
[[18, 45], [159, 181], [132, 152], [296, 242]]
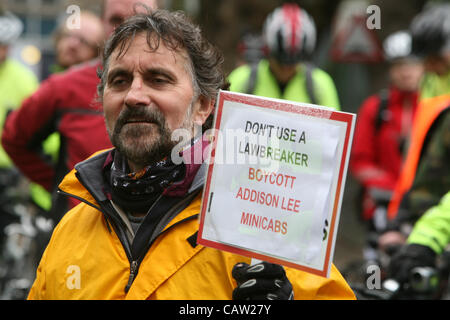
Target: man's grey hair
[[177, 32]]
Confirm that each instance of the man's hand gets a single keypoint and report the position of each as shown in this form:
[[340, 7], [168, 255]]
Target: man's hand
[[262, 281]]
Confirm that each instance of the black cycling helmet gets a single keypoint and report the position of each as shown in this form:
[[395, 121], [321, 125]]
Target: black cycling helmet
[[289, 33], [430, 31]]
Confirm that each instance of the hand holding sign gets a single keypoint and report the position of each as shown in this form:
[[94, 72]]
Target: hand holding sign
[[261, 281]]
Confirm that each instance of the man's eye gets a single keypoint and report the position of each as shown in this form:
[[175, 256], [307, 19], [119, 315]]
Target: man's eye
[[160, 80], [118, 82]]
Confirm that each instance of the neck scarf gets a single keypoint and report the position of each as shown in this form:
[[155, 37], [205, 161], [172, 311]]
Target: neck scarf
[[137, 191]]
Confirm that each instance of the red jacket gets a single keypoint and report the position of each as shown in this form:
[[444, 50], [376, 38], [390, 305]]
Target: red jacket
[[66, 103], [377, 153]]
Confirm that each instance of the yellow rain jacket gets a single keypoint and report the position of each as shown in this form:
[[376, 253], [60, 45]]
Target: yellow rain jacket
[[86, 259]]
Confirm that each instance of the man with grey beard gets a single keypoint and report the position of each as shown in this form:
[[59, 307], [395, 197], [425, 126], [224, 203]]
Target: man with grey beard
[[134, 235]]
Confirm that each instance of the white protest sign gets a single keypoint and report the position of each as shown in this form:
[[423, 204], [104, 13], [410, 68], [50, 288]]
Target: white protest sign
[[275, 180]]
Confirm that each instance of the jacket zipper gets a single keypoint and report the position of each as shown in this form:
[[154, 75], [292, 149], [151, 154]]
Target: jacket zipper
[[134, 266], [134, 263], [133, 270]]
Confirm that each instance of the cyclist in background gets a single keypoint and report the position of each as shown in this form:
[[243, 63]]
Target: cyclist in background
[[289, 33], [383, 125], [64, 103], [425, 175], [16, 83], [73, 45], [432, 41]]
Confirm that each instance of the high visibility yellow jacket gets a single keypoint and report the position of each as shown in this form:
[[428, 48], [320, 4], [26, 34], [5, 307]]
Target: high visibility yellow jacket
[[266, 85], [17, 82], [433, 228], [86, 258]]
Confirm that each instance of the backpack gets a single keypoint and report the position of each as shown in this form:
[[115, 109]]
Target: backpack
[[382, 113]]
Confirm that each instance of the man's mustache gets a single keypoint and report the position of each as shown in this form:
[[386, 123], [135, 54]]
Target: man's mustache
[[140, 114]]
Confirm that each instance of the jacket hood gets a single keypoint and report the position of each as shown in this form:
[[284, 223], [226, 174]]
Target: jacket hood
[[90, 171]]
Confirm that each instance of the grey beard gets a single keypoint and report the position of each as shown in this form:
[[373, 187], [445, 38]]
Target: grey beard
[[131, 141]]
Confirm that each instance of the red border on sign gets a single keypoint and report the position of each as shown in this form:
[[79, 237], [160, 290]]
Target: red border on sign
[[287, 107]]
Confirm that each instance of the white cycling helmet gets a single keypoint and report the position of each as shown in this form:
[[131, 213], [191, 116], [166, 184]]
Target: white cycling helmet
[[10, 28], [290, 34], [398, 46]]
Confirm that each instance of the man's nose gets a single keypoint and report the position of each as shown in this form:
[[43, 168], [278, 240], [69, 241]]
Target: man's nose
[[137, 95]]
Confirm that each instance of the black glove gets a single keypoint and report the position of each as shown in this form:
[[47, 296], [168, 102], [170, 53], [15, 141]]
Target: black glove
[[262, 281], [409, 257]]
